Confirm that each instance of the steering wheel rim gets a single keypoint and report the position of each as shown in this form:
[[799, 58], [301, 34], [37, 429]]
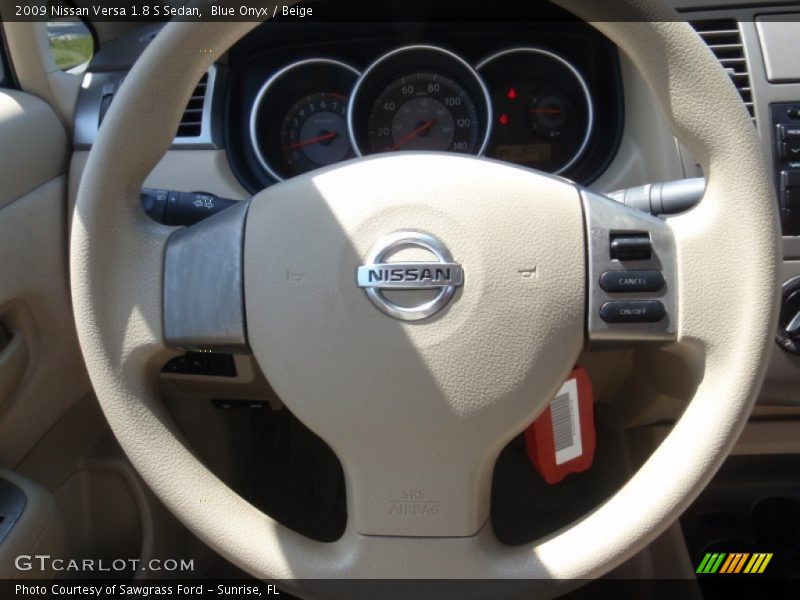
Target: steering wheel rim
[[725, 326]]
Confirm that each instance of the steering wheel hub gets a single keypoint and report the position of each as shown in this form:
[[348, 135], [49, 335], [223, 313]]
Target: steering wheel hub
[[417, 407]]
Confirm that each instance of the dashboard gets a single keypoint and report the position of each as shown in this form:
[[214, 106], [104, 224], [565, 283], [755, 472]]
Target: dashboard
[[545, 99]]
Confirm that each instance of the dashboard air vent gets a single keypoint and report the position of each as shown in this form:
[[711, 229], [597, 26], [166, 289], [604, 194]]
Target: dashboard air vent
[[192, 121], [725, 41]]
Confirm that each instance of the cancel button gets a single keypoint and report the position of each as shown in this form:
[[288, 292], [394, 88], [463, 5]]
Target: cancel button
[[632, 281], [645, 311]]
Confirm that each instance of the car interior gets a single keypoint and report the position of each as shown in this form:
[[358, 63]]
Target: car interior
[[424, 291]]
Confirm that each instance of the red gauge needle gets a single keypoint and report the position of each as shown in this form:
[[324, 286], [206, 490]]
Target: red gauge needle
[[315, 140], [421, 129], [547, 111]]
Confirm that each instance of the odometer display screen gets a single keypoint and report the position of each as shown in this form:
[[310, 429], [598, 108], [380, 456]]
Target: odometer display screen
[[424, 111], [524, 153]]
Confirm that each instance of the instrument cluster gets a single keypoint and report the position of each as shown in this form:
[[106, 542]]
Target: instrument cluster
[[526, 106], [534, 105]]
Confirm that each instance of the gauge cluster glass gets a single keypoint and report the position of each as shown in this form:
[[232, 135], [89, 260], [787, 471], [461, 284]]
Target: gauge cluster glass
[[527, 106]]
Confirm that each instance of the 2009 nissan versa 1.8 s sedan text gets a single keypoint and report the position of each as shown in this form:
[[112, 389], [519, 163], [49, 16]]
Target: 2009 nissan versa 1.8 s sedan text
[[374, 300]]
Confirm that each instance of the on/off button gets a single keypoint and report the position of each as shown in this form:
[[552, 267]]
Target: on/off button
[[644, 311]]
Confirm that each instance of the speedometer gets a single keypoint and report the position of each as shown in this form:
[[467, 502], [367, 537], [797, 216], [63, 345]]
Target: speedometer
[[419, 98], [424, 111]]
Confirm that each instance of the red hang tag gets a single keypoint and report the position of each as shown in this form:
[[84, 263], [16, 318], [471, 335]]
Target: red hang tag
[[562, 440]]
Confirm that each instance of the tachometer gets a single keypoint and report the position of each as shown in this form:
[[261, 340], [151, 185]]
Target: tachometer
[[420, 98], [314, 132], [299, 118]]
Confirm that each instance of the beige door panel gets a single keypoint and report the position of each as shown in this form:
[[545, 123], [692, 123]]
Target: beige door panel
[[41, 370]]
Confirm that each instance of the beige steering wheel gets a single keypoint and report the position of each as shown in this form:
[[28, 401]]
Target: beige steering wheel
[[417, 411]]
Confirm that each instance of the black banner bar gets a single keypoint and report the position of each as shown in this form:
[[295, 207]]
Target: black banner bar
[[385, 589], [453, 11]]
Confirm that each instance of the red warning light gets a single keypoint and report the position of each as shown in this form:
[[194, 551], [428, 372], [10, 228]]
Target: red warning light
[[503, 119], [512, 94]]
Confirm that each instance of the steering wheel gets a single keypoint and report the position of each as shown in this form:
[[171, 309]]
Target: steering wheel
[[417, 409]]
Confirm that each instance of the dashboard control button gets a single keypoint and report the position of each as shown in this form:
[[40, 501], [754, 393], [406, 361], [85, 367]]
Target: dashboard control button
[[791, 198], [793, 112], [791, 150], [788, 335], [790, 132], [631, 246], [643, 311], [790, 189], [791, 218], [631, 281], [790, 179]]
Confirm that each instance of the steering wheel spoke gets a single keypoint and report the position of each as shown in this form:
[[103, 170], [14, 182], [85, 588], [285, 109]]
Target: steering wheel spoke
[[203, 284], [632, 275]]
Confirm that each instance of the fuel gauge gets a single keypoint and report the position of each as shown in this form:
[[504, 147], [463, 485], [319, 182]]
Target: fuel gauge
[[544, 114], [549, 111]]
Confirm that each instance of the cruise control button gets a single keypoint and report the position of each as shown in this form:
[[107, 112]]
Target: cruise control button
[[632, 281], [644, 311]]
